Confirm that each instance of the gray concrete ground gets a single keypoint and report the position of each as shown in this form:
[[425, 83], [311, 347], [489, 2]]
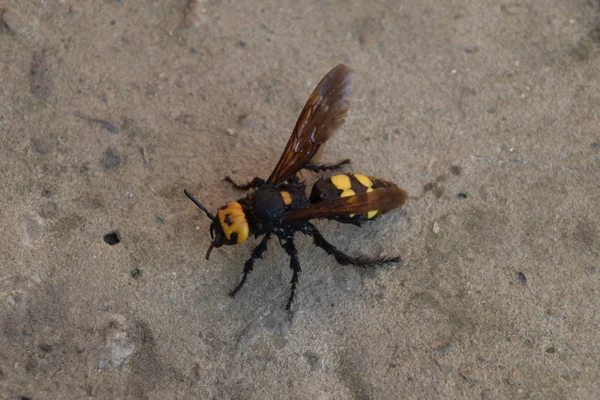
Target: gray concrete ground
[[486, 112]]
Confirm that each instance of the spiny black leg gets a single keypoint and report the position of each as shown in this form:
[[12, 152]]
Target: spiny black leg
[[295, 266], [253, 184], [256, 253], [345, 259], [325, 167]]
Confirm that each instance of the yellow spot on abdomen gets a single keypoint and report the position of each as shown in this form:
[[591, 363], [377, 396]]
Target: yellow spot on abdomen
[[341, 182], [287, 197], [233, 220], [364, 180], [371, 213], [348, 193]]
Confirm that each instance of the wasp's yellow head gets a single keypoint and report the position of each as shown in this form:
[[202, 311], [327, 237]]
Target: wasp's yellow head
[[228, 227]]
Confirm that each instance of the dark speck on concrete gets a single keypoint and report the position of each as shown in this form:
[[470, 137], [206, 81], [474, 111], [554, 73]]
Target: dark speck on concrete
[[40, 79], [112, 238], [314, 360], [468, 47], [456, 170], [45, 347], [522, 278], [142, 154], [135, 273], [111, 159], [42, 146], [109, 125], [438, 190]]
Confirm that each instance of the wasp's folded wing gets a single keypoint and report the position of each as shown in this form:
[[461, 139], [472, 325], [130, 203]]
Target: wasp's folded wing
[[381, 199], [324, 112]]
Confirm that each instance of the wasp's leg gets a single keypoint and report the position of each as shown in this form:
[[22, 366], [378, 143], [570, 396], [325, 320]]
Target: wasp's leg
[[256, 253], [345, 259], [290, 249], [253, 184], [326, 167]]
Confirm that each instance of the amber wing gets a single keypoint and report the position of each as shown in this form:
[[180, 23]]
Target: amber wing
[[382, 199], [324, 112]]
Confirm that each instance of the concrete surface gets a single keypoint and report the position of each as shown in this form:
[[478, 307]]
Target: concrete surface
[[498, 297]]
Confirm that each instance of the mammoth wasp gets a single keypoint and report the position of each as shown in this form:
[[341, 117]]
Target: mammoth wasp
[[279, 205]]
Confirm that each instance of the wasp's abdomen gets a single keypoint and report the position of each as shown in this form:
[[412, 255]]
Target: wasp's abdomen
[[345, 185]]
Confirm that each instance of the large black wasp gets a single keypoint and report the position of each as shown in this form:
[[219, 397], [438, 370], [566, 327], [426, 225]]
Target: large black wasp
[[279, 206]]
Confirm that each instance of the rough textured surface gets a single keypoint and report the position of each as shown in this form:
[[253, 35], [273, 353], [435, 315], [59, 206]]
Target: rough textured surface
[[485, 111]]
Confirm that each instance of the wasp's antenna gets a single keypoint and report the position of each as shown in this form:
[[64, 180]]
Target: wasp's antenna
[[200, 206], [212, 245]]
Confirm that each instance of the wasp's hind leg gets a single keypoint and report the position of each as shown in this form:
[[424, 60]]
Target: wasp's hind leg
[[256, 253], [253, 184], [326, 167], [345, 259], [290, 249]]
